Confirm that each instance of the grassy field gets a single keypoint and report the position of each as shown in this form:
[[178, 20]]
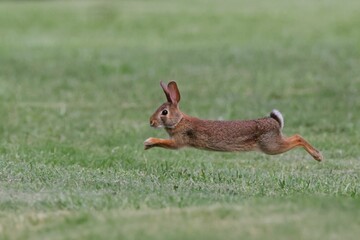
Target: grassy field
[[79, 80]]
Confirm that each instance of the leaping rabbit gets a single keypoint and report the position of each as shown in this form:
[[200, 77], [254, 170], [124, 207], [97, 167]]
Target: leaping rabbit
[[262, 134]]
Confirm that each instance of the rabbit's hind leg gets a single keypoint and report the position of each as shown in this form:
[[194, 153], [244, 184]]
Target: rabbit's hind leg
[[280, 144]]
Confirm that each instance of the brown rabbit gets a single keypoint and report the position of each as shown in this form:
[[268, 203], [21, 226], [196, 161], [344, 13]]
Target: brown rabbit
[[262, 134]]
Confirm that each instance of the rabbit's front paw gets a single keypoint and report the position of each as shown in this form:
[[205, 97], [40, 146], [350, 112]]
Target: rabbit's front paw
[[149, 143]]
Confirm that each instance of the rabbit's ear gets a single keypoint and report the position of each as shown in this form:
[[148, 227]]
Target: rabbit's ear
[[166, 91], [174, 92]]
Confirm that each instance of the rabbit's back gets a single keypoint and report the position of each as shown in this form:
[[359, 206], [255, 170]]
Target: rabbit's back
[[225, 135]]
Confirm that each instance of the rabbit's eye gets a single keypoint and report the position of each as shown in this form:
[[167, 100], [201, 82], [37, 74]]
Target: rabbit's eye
[[164, 112]]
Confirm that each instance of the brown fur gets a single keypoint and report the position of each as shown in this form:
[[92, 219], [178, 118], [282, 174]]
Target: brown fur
[[262, 134]]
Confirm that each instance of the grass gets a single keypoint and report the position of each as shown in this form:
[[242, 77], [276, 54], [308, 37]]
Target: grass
[[79, 80]]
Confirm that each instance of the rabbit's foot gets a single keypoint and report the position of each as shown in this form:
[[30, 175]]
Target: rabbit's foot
[[317, 155], [149, 143]]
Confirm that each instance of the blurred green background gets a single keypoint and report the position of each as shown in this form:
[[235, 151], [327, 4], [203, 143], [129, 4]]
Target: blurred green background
[[79, 80]]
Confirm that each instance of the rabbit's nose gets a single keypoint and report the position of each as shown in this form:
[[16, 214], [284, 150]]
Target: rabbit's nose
[[152, 122]]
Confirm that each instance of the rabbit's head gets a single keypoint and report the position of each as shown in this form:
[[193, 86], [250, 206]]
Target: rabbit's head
[[168, 115]]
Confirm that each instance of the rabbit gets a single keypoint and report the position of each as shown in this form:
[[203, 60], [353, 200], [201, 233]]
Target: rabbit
[[263, 134]]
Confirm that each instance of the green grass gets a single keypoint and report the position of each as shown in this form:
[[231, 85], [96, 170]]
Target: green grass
[[79, 80]]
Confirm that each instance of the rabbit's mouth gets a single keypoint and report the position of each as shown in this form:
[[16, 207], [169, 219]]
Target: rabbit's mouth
[[155, 124], [158, 126]]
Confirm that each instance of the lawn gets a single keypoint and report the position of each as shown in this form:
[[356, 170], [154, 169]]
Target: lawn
[[80, 79]]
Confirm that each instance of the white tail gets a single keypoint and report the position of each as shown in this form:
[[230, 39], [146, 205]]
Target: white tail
[[278, 117]]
